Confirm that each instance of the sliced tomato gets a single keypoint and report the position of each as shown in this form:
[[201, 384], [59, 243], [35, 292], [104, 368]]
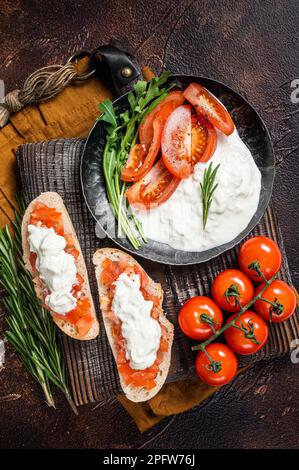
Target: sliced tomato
[[83, 325], [203, 139], [111, 270], [164, 108], [176, 142], [145, 383], [81, 311], [154, 188], [134, 163], [207, 104], [80, 316], [164, 345], [136, 172], [47, 216], [70, 246], [138, 378], [159, 359], [78, 286]]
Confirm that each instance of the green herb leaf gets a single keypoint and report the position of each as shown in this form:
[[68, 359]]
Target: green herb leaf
[[122, 133], [31, 329], [132, 100], [140, 88], [108, 115]]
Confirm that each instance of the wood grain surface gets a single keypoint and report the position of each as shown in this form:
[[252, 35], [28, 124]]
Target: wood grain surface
[[252, 46]]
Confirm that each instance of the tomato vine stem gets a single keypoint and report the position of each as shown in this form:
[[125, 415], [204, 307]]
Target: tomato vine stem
[[202, 346]]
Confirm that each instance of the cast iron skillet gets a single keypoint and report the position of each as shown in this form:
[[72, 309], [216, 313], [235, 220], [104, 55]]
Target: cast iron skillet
[[252, 131]]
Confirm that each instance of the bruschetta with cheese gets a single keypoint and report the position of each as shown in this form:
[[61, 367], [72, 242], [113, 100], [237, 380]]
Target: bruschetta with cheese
[[53, 256], [139, 334]]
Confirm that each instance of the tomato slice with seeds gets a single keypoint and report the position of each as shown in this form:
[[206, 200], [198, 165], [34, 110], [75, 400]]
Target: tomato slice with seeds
[[176, 142], [154, 188], [134, 171], [163, 109], [143, 155], [207, 104], [134, 163], [203, 139]]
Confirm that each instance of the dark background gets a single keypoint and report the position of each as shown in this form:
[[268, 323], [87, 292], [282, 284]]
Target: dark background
[[252, 46]]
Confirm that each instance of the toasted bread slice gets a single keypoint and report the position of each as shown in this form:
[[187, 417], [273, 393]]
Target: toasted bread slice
[[133, 393], [52, 199]]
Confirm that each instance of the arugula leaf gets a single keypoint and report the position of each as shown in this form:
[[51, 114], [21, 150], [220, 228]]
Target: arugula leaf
[[140, 88], [108, 115], [122, 133], [132, 100]]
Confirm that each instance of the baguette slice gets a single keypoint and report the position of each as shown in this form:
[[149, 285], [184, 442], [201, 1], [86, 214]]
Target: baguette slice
[[133, 393], [53, 199]]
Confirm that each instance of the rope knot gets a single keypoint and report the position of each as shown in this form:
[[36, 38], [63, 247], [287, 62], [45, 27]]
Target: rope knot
[[12, 101], [11, 104], [41, 85]]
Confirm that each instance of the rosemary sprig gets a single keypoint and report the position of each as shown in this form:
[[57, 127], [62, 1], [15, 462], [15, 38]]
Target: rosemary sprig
[[31, 330], [121, 134], [207, 190]]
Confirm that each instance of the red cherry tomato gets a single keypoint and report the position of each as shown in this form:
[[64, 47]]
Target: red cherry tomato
[[252, 339], [228, 282], [205, 103], [196, 316], [176, 142], [224, 366], [261, 250], [283, 298]]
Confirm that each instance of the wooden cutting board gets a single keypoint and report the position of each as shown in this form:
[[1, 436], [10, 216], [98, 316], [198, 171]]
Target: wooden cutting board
[[54, 166]]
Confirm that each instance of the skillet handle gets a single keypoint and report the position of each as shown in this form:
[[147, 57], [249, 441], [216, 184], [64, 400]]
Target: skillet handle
[[114, 64]]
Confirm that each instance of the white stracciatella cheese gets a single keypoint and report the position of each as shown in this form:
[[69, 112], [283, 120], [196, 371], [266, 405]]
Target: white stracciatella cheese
[[56, 267], [141, 332], [178, 221]]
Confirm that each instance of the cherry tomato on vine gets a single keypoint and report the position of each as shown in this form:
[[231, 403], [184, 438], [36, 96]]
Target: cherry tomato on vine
[[197, 315], [249, 335], [231, 288], [261, 250], [283, 302], [223, 367]]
